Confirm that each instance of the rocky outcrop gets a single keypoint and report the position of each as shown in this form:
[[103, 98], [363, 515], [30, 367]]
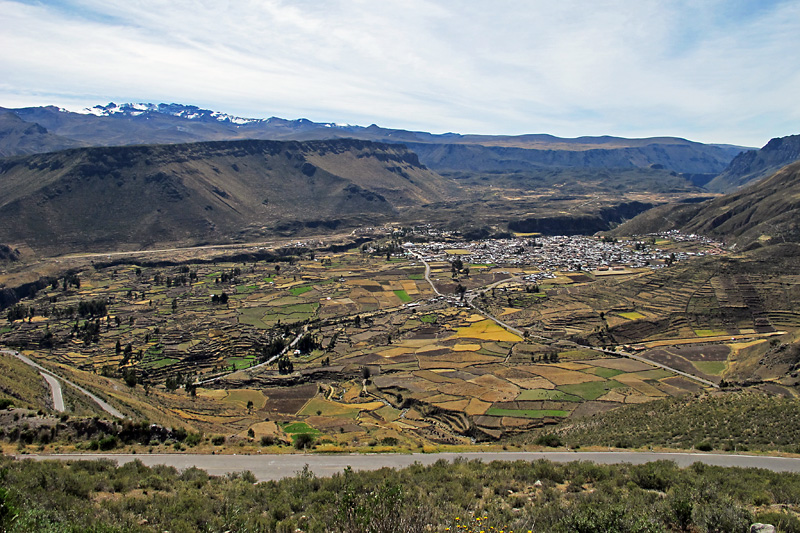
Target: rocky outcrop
[[753, 165], [579, 224]]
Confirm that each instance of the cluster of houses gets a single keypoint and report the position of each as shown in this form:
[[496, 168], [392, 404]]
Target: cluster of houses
[[555, 253]]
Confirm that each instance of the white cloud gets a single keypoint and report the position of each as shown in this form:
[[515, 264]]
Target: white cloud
[[706, 70]]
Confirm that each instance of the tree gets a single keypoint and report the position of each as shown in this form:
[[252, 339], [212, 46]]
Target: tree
[[249, 407], [461, 290], [130, 377]]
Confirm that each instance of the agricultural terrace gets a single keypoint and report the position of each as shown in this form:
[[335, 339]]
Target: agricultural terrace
[[352, 348]]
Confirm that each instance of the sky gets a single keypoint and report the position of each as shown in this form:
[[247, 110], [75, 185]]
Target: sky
[[714, 71]]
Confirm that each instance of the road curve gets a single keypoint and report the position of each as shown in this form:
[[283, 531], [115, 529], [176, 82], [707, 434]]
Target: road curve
[[273, 467], [103, 405], [55, 388]]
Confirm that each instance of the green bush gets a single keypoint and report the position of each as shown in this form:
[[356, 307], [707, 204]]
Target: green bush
[[549, 440], [109, 442], [218, 440], [193, 439], [303, 441]]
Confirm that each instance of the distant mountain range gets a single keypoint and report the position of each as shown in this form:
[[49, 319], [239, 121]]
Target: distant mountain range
[[137, 175], [126, 124]]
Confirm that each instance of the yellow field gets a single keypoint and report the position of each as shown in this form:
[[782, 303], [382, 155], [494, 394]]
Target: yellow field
[[328, 408], [242, 396], [265, 428], [216, 394], [487, 330], [466, 347]]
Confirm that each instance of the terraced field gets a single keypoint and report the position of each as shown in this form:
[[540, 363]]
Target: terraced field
[[362, 354]]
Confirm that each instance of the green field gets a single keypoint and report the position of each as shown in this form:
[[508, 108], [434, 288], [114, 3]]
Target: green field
[[246, 289], [240, 362], [547, 394], [712, 368], [296, 428], [633, 315], [161, 363], [302, 289], [591, 390], [253, 316], [606, 372], [403, 295]]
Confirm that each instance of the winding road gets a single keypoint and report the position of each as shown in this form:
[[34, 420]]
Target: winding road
[[55, 388], [274, 467], [55, 377]]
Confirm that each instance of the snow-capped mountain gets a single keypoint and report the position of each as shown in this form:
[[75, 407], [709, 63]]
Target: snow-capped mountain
[[177, 110]]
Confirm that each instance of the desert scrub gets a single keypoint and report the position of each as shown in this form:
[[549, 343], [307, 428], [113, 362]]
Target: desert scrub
[[511, 496], [718, 421]]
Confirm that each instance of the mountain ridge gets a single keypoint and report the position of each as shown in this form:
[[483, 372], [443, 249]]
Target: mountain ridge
[[763, 212], [753, 165], [224, 191], [121, 124]]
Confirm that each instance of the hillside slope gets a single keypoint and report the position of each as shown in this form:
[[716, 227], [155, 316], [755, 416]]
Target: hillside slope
[[135, 196], [18, 137], [753, 165], [765, 212]]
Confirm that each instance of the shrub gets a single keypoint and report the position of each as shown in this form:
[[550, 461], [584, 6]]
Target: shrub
[[303, 441], [218, 440], [193, 439], [549, 440], [658, 475], [109, 442]]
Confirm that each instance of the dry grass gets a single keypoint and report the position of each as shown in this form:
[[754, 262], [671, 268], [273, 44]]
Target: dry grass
[[487, 330]]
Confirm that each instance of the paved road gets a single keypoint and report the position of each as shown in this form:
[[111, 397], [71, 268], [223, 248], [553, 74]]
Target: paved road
[[103, 405], [55, 388], [274, 467]]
